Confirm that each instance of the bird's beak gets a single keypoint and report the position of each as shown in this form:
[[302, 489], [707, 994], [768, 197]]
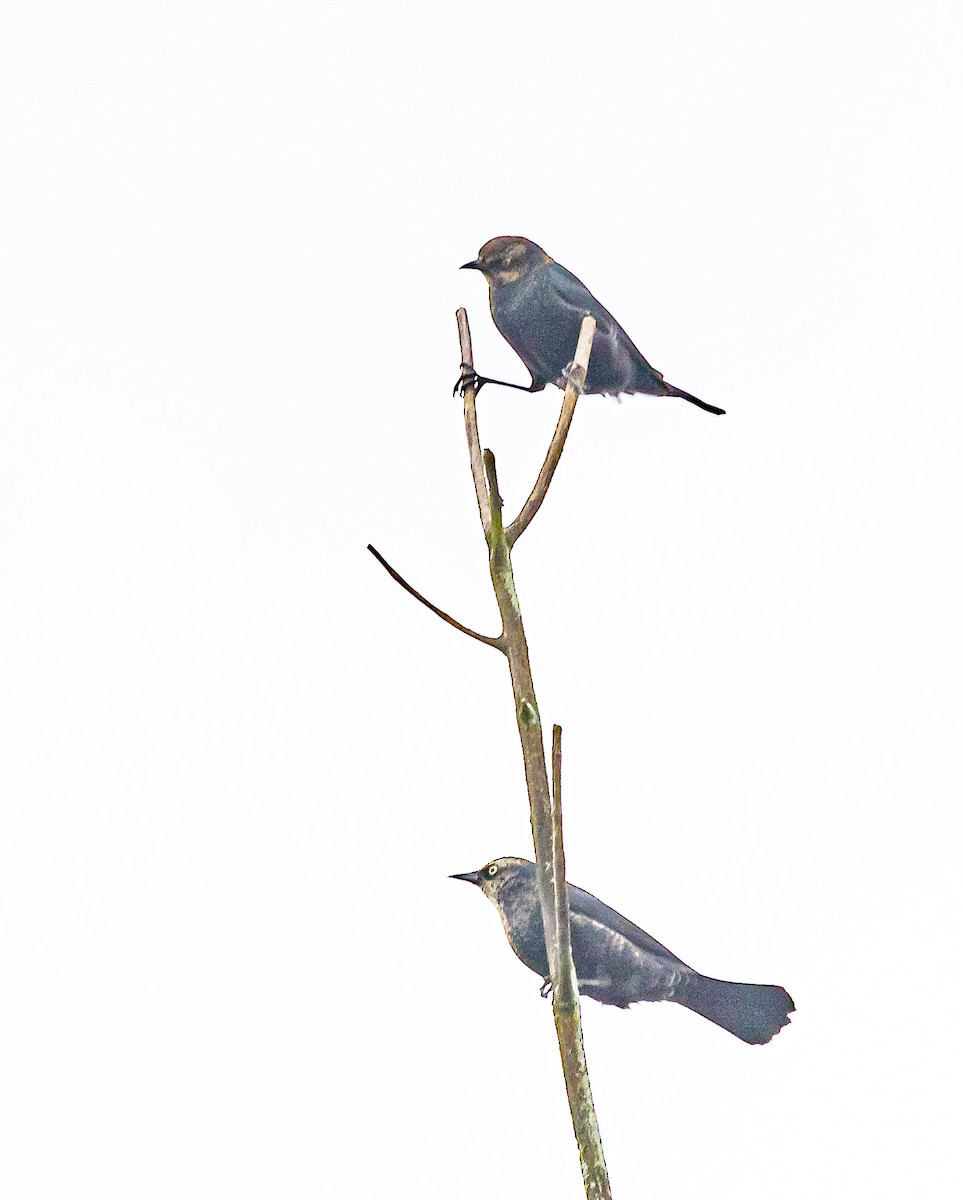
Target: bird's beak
[[469, 877], [474, 265]]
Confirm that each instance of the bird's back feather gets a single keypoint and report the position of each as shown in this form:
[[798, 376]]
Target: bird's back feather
[[540, 315]]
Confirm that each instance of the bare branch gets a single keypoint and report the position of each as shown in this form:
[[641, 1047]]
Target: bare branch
[[568, 1019], [479, 637], [491, 475], [572, 391], [564, 983], [471, 423]]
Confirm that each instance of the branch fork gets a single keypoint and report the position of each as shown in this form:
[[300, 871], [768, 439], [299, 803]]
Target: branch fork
[[485, 476]]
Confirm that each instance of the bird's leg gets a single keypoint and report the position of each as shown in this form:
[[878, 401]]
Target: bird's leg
[[546, 989], [469, 378]]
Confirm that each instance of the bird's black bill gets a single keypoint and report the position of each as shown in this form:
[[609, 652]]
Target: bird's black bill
[[469, 877], [474, 265]]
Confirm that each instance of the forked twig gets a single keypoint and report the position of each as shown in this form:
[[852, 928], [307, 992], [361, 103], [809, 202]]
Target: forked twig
[[573, 390], [545, 816], [545, 803]]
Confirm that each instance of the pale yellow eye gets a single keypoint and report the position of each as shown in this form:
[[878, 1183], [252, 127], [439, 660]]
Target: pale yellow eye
[[493, 870]]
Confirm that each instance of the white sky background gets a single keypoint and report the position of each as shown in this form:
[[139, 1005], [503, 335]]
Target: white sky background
[[238, 764]]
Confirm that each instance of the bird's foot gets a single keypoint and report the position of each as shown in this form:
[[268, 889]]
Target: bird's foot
[[546, 989], [467, 379], [574, 376]]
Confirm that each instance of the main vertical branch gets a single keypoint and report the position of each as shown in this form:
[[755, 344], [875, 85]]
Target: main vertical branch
[[546, 824]]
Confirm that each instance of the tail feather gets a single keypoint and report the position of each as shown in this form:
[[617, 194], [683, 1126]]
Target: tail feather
[[754, 1012], [674, 391]]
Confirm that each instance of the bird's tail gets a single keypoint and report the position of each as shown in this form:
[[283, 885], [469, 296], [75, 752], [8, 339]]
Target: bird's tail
[[674, 391], [754, 1012]]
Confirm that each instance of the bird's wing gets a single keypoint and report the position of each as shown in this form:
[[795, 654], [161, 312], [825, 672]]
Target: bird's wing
[[584, 904], [569, 294], [616, 364]]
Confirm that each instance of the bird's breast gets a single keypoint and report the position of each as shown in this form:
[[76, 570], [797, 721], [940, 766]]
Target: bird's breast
[[542, 332]]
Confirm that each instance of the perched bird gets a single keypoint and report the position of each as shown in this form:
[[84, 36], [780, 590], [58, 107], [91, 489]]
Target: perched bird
[[538, 308], [618, 963]]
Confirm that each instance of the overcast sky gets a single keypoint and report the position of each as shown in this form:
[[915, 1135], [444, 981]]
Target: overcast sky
[[237, 763]]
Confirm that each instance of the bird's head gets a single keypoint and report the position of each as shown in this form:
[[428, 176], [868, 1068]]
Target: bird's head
[[495, 876], [507, 259]]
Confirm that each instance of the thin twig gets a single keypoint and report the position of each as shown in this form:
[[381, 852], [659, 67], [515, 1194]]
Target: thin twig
[[568, 1018], [564, 983], [471, 423], [491, 477], [572, 392], [479, 637]]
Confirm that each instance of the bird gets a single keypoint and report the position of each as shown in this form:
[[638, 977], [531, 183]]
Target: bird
[[538, 306], [618, 963]]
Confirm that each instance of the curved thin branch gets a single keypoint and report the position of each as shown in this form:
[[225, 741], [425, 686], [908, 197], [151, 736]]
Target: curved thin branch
[[471, 424], [479, 637], [564, 983], [572, 392]]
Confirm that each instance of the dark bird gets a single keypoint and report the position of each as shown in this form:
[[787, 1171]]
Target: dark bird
[[538, 308], [618, 963]]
